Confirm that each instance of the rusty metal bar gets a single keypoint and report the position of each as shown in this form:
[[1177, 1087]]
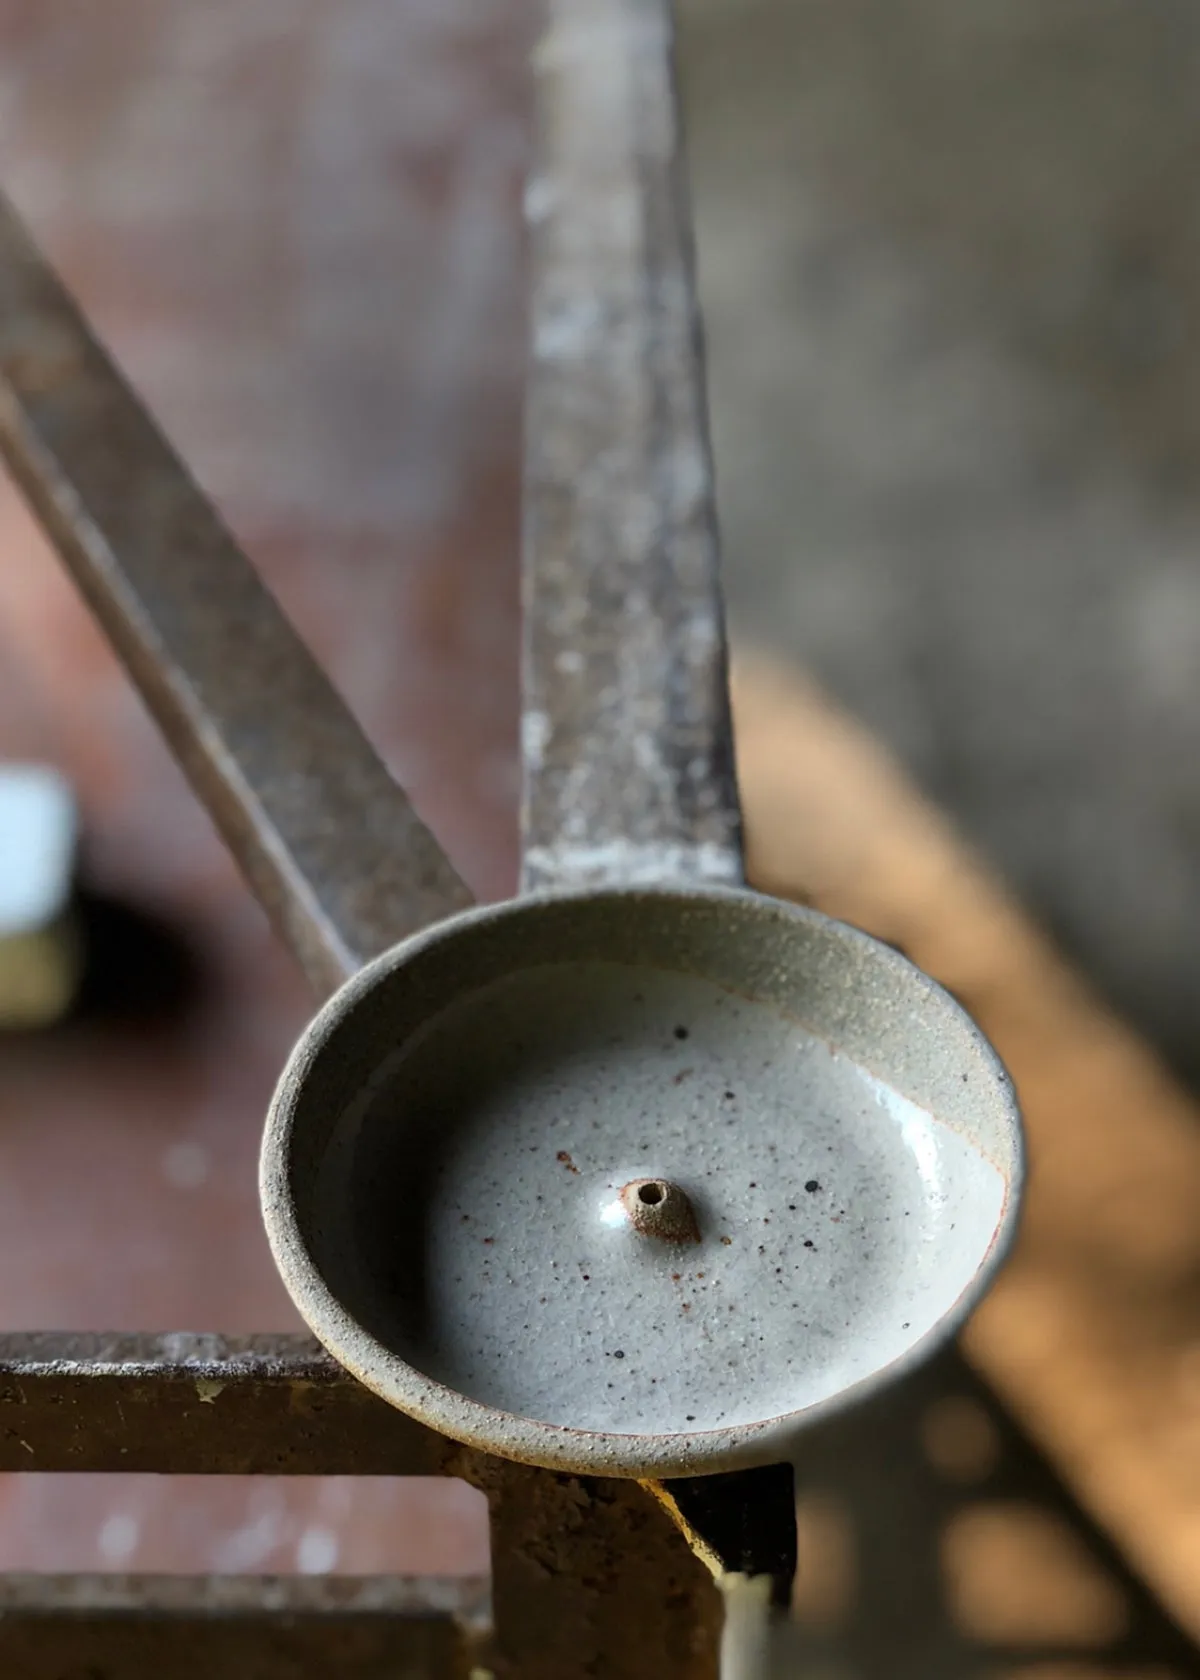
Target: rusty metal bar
[[328, 841], [626, 737], [590, 1578], [130, 1627], [273, 1405]]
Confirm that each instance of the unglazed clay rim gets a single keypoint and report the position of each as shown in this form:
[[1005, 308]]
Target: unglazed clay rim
[[555, 1446]]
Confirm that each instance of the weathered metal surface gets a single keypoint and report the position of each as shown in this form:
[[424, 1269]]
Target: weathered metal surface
[[328, 841], [626, 741], [122, 1627], [590, 1578], [182, 1404], [625, 731], [569, 1555]]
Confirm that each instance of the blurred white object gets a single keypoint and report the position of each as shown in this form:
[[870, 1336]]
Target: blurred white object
[[40, 955], [746, 1638]]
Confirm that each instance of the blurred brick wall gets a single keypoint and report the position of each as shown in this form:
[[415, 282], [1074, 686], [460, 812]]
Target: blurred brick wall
[[298, 228]]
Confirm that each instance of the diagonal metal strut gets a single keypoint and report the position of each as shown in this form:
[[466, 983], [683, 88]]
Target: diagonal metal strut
[[329, 843]]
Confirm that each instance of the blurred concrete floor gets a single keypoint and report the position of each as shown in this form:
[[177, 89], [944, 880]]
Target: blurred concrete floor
[[949, 260], [950, 257]]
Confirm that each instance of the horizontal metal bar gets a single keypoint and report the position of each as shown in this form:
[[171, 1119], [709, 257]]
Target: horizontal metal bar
[[128, 1627], [181, 1404], [448, 1598], [626, 737], [327, 840]]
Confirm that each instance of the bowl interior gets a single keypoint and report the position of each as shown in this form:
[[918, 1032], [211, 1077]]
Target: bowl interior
[[458, 1130]]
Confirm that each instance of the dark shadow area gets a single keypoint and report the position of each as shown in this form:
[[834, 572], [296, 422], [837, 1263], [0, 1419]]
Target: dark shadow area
[[141, 973]]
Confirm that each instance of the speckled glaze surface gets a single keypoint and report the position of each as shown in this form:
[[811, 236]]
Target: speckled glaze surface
[[447, 1168]]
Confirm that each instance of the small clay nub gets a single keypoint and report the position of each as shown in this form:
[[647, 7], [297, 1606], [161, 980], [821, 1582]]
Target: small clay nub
[[658, 1208]]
